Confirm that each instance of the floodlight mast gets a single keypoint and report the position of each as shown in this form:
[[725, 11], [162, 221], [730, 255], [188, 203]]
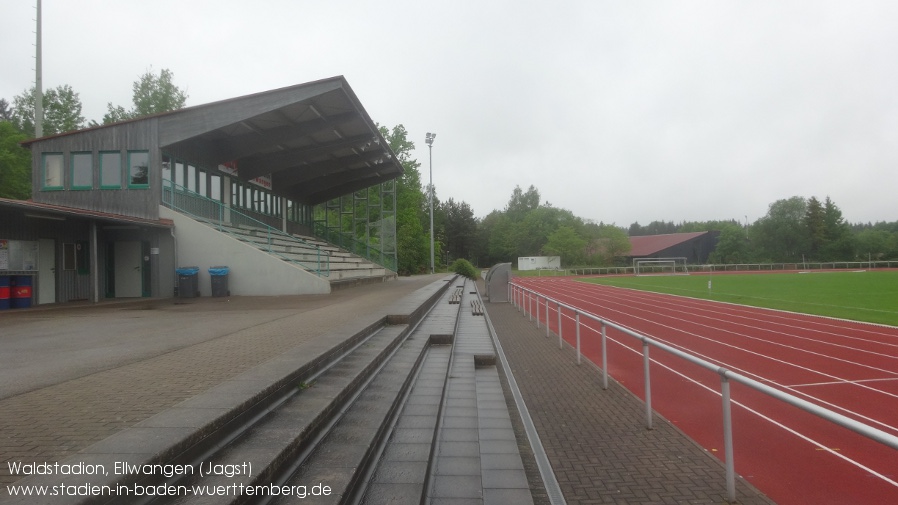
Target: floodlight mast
[[429, 140], [38, 80]]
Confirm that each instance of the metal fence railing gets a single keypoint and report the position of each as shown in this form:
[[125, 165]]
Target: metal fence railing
[[358, 247], [737, 267], [228, 220], [524, 299]]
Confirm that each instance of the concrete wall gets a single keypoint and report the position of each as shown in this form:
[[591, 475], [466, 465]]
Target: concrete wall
[[252, 272]]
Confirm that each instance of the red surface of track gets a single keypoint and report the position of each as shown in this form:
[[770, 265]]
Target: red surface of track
[[792, 456]]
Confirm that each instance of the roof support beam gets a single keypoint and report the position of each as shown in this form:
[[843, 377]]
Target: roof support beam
[[255, 166], [321, 195], [305, 173], [248, 144]]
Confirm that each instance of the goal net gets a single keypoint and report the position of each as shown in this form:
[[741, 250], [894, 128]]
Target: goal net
[[660, 266]]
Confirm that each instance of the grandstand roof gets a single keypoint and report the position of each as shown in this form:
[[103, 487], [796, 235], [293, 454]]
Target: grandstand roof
[[314, 140], [647, 245]]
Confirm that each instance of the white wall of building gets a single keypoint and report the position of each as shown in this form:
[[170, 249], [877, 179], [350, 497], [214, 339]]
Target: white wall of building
[[252, 272], [539, 263]]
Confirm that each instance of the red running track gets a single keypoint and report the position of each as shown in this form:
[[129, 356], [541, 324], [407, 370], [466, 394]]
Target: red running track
[[792, 456]]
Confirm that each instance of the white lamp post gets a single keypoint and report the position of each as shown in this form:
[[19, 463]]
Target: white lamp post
[[429, 140]]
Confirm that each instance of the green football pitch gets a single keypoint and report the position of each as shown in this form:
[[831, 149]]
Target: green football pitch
[[870, 296]]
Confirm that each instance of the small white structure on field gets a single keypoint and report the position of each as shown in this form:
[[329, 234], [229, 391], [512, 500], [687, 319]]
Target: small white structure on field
[[539, 263]]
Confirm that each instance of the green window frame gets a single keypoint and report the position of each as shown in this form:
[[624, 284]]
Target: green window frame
[[52, 171], [82, 170], [110, 170], [138, 169]]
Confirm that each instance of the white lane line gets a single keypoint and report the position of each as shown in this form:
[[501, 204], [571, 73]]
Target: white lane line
[[745, 336], [755, 375], [874, 329], [792, 431], [784, 387], [886, 379], [700, 309]]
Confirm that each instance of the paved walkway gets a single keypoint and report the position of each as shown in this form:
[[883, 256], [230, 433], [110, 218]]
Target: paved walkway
[[70, 377], [596, 440]]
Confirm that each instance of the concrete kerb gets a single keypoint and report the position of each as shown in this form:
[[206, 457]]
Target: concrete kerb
[[177, 431]]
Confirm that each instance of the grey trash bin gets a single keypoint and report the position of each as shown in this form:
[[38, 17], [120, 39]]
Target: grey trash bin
[[188, 286], [219, 276]]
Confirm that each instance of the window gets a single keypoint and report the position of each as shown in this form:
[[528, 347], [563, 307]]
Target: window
[[138, 169], [68, 256], [166, 168], [179, 174], [111, 170], [215, 194], [82, 171], [53, 171]]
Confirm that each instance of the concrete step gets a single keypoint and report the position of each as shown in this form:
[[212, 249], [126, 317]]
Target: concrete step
[[297, 423]]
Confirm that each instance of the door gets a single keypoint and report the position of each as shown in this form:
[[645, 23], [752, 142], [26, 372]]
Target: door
[[46, 271], [128, 277], [146, 277]]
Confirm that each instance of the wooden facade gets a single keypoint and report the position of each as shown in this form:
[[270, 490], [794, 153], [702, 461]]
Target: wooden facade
[[126, 200]]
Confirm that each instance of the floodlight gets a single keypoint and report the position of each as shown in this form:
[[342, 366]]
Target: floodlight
[[429, 140]]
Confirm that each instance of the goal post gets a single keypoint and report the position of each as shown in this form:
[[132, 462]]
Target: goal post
[[660, 266]]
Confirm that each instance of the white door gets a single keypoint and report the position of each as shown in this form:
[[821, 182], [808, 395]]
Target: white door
[[46, 271], [128, 276]]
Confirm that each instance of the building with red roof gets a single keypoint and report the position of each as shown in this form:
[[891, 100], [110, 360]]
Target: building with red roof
[[694, 246]]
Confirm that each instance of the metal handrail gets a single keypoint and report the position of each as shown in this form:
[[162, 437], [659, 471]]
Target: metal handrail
[[740, 267], [217, 214], [518, 292], [358, 247]]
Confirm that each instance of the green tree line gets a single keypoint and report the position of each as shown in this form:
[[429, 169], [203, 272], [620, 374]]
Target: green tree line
[[793, 230]]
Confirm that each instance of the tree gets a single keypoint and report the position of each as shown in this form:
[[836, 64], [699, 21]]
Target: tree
[[531, 233], [152, 94], [815, 228], [732, 246], [780, 235], [520, 203], [609, 245], [5, 110], [839, 241], [15, 163], [566, 243], [875, 244], [62, 111], [412, 242], [459, 228], [495, 237], [653, 228]]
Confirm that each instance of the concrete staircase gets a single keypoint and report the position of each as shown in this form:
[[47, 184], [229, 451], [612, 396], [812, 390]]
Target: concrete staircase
[[409, 409], [339, 266]]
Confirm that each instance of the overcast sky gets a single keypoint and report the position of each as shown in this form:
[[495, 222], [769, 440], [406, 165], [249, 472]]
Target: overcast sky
[[619, 111]]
